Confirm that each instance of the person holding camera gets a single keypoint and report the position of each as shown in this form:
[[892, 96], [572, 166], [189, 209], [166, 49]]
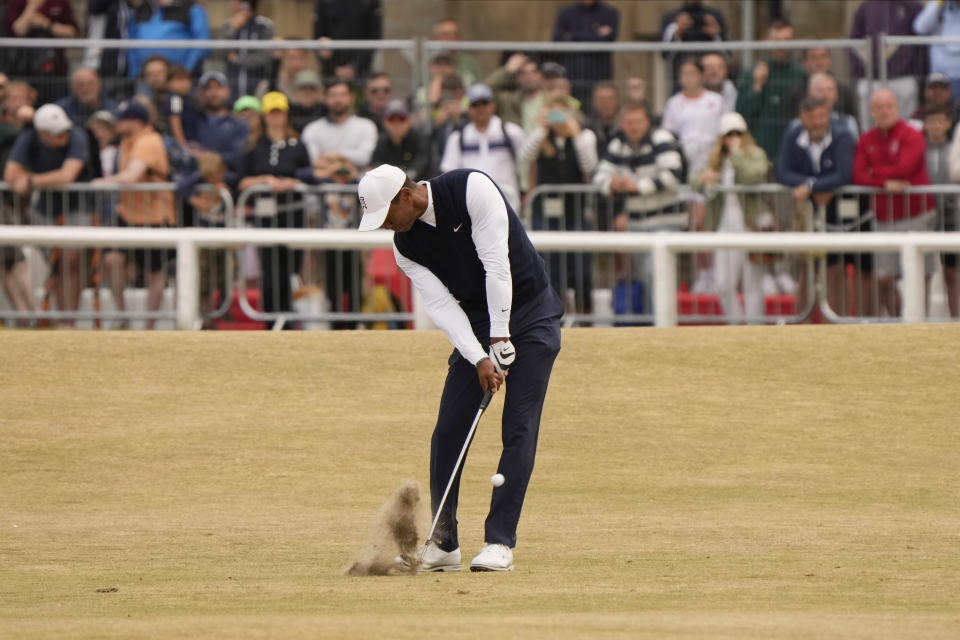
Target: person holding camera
[[562, 151], [736, 159]]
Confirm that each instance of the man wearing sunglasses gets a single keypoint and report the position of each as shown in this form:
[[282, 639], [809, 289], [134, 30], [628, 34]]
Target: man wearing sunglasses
[[486, 143], [377, 92], [401, 144]]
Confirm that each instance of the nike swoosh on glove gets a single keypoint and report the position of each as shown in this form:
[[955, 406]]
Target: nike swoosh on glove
[[502, 354]]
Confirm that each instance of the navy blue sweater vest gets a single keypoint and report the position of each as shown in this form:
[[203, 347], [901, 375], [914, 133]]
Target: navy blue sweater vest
[[448, 251]]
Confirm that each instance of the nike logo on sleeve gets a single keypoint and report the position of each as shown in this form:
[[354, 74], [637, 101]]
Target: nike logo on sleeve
[[457, 228]]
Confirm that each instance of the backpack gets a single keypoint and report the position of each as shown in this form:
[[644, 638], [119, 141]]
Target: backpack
[[507, 142]]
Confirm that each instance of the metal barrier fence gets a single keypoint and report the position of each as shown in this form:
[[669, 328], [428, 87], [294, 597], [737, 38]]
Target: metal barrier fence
[[90, 285], [664, 248], [334, 288], [595, 285], [844, 285]]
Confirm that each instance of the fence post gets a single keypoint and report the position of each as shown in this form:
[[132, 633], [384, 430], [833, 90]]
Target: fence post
[[420, 318], [664, 285], [914, 283], [881, 58], [188, 286]]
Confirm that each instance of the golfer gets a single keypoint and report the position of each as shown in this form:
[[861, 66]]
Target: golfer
[[483, 284]]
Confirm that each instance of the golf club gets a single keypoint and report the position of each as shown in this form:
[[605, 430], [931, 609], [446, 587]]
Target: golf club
[[463, 452]]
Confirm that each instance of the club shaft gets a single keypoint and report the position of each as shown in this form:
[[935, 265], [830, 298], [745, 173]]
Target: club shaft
[[456, 468]]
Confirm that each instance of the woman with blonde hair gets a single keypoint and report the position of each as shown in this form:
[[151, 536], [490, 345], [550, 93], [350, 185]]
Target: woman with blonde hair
[[735, 159]]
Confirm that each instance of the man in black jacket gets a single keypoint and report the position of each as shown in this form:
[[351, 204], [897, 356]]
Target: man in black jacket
[[347, 20], [401, 144]]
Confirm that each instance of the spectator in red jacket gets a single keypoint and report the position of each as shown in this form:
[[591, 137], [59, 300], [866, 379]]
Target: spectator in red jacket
[[892, 156]]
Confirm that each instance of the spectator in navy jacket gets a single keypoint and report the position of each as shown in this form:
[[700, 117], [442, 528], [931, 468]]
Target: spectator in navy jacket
[[347, 20], [587, 21], [816, 157]]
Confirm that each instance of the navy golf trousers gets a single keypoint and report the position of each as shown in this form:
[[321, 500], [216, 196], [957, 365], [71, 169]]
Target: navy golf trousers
[[526, 386]]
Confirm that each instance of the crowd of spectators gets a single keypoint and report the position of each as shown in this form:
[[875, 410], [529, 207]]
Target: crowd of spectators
[[234, 119]]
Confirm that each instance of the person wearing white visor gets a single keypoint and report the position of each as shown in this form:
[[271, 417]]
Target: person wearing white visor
[[484, 285]]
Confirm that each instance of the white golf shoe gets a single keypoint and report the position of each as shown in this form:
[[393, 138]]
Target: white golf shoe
[[434, 559], [493, 557]]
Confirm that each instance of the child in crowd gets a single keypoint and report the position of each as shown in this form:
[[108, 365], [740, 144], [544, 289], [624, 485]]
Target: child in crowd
[[183, 114], [210, 212], [208, 203], [103, 125]]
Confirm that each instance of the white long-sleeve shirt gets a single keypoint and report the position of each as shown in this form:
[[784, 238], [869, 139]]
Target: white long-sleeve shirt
[[490, 232]]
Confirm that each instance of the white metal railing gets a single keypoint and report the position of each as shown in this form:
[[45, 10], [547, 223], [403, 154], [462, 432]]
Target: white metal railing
[[84, 43], [633, 47], [664, 248]]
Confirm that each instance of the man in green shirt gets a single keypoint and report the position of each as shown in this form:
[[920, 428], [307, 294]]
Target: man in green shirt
[[764, 91]]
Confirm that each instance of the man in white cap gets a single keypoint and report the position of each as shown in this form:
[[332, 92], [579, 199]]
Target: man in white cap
[[461, 243], [51, 153], [486, 143]]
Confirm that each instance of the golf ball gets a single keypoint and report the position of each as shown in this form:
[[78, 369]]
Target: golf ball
[[497, 479]]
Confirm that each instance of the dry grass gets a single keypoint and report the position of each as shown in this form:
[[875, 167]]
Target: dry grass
[[732, 482]]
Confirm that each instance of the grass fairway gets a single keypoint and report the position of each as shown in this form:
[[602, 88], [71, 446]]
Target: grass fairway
[[749, 482]]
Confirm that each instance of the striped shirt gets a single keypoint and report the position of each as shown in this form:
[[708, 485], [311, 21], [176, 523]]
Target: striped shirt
[[655, 164]]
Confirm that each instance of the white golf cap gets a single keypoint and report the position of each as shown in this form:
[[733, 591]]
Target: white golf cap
[[730, 122], [376, 189], [51, 118]]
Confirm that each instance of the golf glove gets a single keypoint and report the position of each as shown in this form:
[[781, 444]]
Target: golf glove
[[502, 355]]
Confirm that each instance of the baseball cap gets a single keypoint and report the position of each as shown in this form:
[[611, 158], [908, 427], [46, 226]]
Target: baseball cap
[[938, 78], [396, 108], [275, 101], [213, 76], [376, 189], [103, 116], [553, 70], [51, 118], [478, 92], [730, 122], [307, 78], [133, 110], [244, 103]]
